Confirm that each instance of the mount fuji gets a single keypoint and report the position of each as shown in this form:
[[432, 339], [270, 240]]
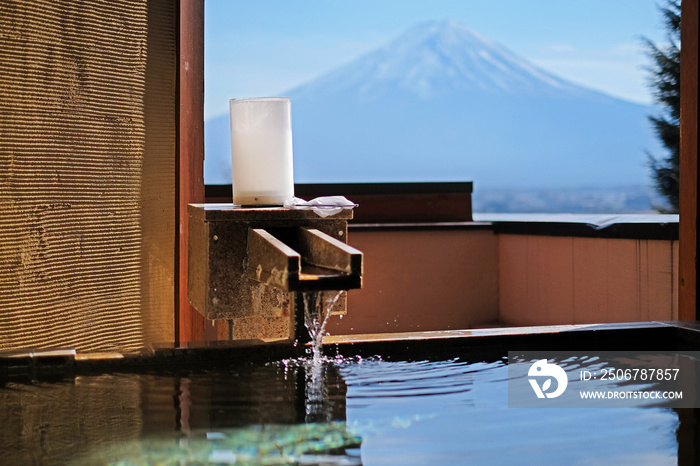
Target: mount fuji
[[443, 103]]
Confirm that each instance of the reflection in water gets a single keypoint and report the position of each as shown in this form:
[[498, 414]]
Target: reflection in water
[[331, 412], [260, 444], [248, 412], [49, 423]]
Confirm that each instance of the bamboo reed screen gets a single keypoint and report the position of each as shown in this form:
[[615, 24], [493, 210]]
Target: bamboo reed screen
[[87, 173]]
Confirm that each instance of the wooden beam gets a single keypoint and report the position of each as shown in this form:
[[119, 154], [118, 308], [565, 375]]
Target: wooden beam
[[189, 324], [688, 283]]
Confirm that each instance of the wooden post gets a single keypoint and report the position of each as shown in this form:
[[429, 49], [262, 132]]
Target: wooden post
[[688, 305], [189, 324]]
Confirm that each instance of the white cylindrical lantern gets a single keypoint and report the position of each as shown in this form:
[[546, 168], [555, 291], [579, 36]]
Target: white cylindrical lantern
[[261, 151]]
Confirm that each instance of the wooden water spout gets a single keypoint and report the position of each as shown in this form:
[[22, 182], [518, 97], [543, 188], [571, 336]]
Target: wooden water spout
[[250, 266], [313, 261]]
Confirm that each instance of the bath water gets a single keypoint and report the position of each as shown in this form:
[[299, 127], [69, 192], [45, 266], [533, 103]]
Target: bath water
[[331, 411]]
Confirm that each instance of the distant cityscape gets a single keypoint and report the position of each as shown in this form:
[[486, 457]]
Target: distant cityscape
[[621, 200]]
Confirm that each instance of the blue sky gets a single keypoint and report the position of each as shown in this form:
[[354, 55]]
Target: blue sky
[[266, 47]]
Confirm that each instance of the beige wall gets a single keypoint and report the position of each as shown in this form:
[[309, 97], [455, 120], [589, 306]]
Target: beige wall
[[565, 280], [422, 280], [450, 279]]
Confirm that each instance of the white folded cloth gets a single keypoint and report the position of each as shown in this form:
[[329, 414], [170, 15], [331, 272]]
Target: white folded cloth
[[322, 206]]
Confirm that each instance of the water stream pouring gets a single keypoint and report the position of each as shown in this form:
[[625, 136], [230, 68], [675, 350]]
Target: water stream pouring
[[317, 310]]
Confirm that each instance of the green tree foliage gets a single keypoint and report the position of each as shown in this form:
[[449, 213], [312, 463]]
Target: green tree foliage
[[665, 82]]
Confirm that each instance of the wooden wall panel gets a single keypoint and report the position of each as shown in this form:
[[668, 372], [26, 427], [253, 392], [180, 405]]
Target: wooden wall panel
[[547, 280], [87, 155], [158, 190], [688, 305], [190, 184], [535, 280]]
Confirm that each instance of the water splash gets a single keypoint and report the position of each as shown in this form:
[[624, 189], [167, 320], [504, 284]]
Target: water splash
[[317, 308]]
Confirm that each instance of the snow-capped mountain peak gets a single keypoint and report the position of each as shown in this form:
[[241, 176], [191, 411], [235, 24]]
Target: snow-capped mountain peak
[[435, 58]]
